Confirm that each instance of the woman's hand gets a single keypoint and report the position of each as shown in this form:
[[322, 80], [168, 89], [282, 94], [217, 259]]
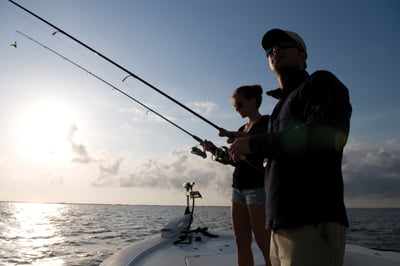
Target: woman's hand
[[209, 146], [232, 135]]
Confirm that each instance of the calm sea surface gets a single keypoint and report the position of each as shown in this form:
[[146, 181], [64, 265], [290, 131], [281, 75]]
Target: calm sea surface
[[79, 234]]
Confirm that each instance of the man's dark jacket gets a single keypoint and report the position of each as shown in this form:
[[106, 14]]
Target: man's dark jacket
[[304, 145]]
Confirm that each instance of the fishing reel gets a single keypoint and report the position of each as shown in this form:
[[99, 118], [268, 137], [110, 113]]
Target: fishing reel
[[221, 155], [197, 151]]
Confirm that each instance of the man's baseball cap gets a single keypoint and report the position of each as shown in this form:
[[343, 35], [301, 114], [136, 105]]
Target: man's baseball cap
[[275, 36]]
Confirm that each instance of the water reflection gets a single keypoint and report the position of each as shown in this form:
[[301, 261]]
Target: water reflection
[[31, 232]]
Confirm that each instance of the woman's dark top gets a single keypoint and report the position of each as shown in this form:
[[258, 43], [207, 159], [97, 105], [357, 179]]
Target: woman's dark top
[[249, 173]]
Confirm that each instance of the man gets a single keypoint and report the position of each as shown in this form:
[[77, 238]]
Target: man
[[304, 145]]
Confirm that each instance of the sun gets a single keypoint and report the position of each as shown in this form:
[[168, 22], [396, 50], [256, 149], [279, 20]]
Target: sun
[[42, 130]]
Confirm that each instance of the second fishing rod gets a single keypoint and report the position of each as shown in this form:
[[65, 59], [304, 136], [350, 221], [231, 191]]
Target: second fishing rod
[[220, 154], [195, 150], [130, 73]]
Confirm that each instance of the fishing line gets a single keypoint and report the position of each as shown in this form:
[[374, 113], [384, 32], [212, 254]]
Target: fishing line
[[222, 153], [111, 85], [59, 30], [36, 24], [195, 150]]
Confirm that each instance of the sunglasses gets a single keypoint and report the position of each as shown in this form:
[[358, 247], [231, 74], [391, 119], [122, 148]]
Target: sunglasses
[[282, 45]]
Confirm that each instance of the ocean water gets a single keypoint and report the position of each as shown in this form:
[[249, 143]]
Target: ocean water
[[86, 234]]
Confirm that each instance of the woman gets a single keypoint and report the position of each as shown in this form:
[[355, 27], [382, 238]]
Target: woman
[[248, 196]]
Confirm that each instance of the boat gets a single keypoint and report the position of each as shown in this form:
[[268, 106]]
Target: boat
[[180, 244]]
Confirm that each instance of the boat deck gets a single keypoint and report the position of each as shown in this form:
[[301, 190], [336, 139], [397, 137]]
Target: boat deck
[[206, 251]]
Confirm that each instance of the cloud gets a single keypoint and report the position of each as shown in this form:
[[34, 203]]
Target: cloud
[[137, 112], [107, 168], [107, 171], [203, 107], [110, 168], [79, 150], [144, 114], [49, 179], [371, 173], [372, 170], [172, 172]]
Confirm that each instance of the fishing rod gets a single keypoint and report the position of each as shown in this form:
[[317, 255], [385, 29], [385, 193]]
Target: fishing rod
[[58, 30], [195, 150], [220, 153]]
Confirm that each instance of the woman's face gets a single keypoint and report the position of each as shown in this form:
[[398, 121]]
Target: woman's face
[[243, 106]]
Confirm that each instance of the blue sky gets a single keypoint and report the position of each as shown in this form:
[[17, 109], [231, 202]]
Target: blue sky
[[68, 137]]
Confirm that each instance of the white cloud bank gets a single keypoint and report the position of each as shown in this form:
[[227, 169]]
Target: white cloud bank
[[371, 172]]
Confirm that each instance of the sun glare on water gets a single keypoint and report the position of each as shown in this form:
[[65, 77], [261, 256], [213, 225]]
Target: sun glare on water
[[34, 229], [43, 130]]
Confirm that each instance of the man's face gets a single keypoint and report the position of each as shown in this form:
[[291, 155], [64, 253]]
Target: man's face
[[285, 56]]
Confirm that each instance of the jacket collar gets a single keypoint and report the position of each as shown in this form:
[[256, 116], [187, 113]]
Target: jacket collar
[[293, 80]]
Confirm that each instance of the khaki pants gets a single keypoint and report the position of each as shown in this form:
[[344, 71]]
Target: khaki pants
[[310, 245]]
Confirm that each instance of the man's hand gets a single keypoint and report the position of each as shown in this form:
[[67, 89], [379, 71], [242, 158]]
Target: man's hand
[[239, 148]]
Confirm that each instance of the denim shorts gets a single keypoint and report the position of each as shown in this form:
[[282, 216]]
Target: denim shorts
[[249, 196]]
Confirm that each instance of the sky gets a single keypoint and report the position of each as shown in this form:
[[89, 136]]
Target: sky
[[69, 137]]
